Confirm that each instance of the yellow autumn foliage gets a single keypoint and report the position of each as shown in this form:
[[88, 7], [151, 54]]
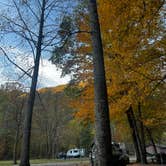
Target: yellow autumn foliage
[[134, 53], [56, 89]]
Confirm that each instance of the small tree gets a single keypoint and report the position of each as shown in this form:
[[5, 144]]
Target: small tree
[[13, 111]]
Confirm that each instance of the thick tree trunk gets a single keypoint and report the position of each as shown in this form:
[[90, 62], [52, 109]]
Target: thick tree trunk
[[28, 114], [102, 122], [144, 160]]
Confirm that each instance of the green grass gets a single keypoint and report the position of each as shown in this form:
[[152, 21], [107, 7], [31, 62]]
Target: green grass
[[40, 161], [36, 161], [5, 163]]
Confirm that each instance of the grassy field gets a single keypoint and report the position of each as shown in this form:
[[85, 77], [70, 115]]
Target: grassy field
[[40, 161], [81, 162]]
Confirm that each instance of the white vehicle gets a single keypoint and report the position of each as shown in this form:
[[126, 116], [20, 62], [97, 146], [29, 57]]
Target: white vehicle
[[73, 153]]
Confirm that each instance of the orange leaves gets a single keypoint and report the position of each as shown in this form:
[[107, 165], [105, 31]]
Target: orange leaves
[[134, 46], [126, 24], [84, 104], [83, 24]]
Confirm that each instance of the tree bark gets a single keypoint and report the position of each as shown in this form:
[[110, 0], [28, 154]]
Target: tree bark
[[102, 121], [135, 133], [144, 160], [130, 120], [15, 146], [28, 114], [152, 140], [17, 134]]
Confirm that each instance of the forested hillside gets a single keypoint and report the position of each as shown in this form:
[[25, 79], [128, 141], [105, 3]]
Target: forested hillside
[[54, 127]]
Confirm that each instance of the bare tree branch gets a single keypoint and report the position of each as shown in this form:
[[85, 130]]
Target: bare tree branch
[[29, 70], [23, 21], [5, 54], [25, 73], [18, 25], [65, 39], [29, 7], [160, 82]]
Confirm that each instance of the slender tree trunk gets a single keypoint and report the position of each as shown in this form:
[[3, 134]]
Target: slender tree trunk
[[47, 148], [133, 125], [28, 114], [151, 139], [137, 135], [130, 120], [138, 157], [15, 146], [53, 149], [144, 160], [102, 122], [50, 147], [17, 137], [6, 150]]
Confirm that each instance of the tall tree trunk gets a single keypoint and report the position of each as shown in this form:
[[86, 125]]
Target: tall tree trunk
[[28, 114], [144, 160], [102, 122]]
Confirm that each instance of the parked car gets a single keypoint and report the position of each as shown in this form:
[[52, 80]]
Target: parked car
[[120, 158], [74, 153], [151, 157], [61, 155]]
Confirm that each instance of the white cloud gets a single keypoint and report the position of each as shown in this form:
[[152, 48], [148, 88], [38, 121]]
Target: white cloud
[[3, 78], [49, 75]]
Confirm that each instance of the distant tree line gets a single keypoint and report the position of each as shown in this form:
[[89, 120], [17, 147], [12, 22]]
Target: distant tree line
[[54, 127]]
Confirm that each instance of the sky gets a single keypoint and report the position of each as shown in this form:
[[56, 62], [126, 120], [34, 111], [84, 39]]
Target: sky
[[49, 74]]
